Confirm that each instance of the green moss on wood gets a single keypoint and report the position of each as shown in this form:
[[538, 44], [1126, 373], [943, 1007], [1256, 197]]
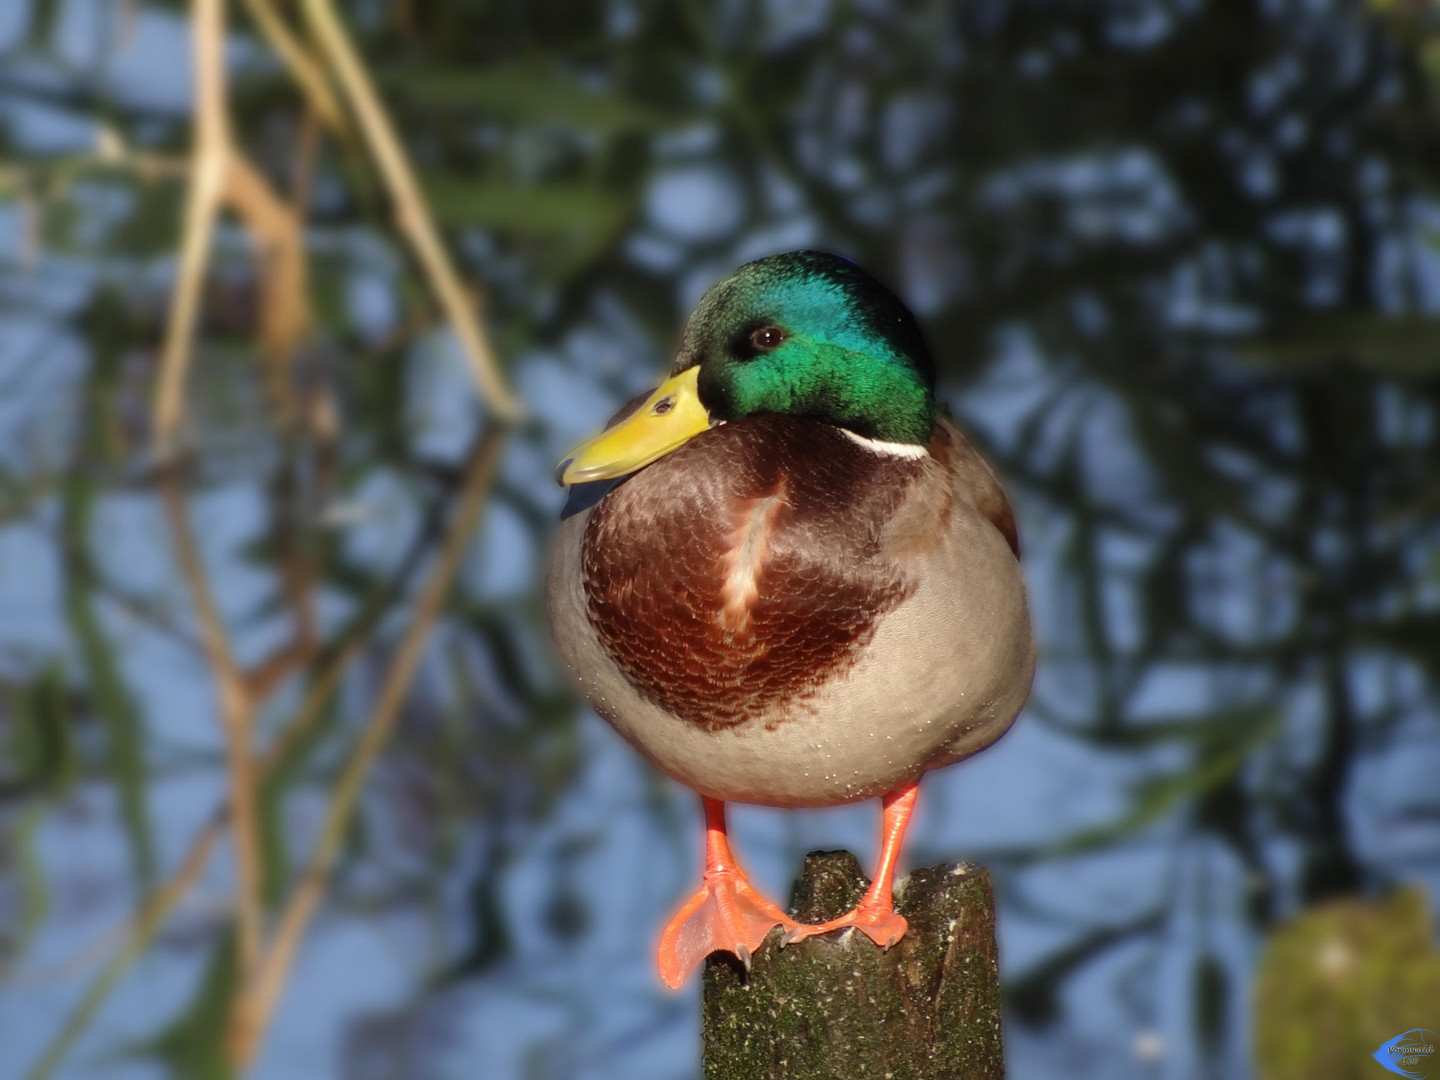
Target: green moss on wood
[[839, 1006]]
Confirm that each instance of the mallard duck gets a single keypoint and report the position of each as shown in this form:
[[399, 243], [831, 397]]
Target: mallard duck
[[785, 580]]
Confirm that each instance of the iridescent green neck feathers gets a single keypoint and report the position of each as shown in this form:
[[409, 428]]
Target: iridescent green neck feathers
[[811, 335]]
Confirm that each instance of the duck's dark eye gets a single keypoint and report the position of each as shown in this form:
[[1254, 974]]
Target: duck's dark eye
[[767, 338]]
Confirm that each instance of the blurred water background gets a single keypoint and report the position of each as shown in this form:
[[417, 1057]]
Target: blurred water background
[[1179, 264]]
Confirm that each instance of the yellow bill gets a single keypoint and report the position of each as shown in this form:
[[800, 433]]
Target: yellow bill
[[670, 416]]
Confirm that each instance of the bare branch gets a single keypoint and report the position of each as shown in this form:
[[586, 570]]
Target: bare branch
[[259, 997], [282, 273], [138, 933], [297, 59], [207, 184], [236, 718], [412, 215]]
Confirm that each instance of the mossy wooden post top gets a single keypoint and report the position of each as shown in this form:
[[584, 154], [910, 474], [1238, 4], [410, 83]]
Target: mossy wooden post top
[[840, 1008]]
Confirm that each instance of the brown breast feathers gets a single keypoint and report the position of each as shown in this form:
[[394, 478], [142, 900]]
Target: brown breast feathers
[[734, 576]]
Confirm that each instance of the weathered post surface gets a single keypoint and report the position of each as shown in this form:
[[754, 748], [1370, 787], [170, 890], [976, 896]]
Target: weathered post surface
[[840, 1008]]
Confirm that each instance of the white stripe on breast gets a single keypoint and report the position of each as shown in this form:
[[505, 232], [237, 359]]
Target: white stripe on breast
[[746, 558]]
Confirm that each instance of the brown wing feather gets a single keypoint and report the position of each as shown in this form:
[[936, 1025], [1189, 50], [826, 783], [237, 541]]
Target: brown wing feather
[[975, 481]]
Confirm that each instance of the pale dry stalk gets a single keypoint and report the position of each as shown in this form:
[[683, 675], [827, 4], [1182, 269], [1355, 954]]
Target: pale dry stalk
[[411, 213], [236, 720], [221, 175], [210, 169], [134, 934], [282, 270], [304, 68], [258, 997], [210, 162], [138, 933]]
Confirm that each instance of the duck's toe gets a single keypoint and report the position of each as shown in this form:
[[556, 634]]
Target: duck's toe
[[726, 915], [880, 923]]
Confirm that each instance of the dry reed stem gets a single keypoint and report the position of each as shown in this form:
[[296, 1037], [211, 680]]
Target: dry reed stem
[[258, 998], [412, 216], [138, 933], [207, 184], [303, 67], [143, 924], [141, 927], [236, 720], [307, 141], [168, 893], [311, 706], [46, 180], [211, 170], [219, 175], [282, 273]]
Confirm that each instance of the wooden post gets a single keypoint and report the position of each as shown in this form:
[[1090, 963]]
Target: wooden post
[[840, 1008]]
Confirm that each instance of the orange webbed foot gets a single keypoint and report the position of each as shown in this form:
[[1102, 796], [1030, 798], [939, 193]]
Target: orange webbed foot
[[875, 916], [726, 915], [880, 924]]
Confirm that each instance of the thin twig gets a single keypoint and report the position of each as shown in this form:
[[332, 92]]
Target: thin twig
[[259, 997], [302, 66], [207, 185], [412, 215], [148, 918], [282, 272], [158, 904], [142, 929], [320, 689], [220, 173], [236, 718], [48, 178], [144, 924], [140, 608], [307, 141]]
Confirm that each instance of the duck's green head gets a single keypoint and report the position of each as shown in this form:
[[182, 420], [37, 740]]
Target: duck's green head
[[802, 334]]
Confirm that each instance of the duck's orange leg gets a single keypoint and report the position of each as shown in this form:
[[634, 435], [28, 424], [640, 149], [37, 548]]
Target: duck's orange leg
[[726, 915], [876, 916]]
